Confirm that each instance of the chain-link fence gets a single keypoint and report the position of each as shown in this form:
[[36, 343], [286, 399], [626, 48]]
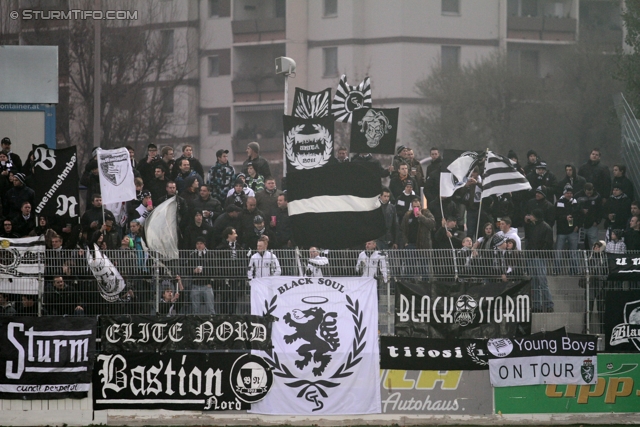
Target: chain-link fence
[[129, 281]]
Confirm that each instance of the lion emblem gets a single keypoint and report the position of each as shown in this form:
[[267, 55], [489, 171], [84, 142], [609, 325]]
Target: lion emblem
[[319, 330]]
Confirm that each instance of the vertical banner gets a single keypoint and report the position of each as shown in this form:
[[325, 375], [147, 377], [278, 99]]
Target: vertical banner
[[325, 345], [116, 176], [308, 143], [46, 358], [311, 105], [56, 183]]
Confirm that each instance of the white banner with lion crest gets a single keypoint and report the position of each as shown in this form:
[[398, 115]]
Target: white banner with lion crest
[[325, 345], [21, 264], [116, 176]]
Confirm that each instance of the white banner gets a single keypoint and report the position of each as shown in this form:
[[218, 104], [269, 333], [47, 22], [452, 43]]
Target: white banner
[[325, 345], [116, 176], [537, 370], [22, 263]]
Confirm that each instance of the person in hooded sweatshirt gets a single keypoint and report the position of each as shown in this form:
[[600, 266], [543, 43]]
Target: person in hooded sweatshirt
[[597, 174], [620, 180], [572, 179], [617, 210]]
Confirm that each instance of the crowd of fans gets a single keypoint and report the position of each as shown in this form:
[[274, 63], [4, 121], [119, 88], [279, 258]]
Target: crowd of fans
[[243, 217]]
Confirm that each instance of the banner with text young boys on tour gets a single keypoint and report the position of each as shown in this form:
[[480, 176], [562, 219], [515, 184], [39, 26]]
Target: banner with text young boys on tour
[[325, 345]]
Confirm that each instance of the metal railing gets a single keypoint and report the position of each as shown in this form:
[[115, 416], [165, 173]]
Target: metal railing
[[126, 281]]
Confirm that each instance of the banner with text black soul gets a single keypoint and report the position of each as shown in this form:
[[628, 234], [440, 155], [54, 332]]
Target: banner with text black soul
[[623, 267], [46, 358], [56, 183], [622, 321], [555, 357], [433, 354], [325, 344], [374, 130], [180, 381], [462, 310], [152, 333], [308, 143]]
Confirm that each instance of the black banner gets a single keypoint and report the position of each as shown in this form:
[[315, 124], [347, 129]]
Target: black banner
[[152, 333], [374, 130], [56, 184], [462, 309], [552, 343], [180, 381], [311, 105], [623, 267], [432, 354], [46, 358], [622, 321], [308, 143]]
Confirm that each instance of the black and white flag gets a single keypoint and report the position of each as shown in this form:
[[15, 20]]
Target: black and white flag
[[325, 345], [116, 176], [336, 206], [456, 167], [46, 358], [501, 177], [555, 357], [622, 321], [311, 105], [350, 98], [56, 182], [374, 130], [109, 279], [308, 143], [22, 264]]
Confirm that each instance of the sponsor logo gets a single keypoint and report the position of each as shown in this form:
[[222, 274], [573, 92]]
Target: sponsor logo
[[587, 370], [500, 347], [251, 378]]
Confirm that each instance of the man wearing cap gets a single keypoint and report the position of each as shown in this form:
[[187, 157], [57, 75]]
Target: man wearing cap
[[15, 159], [16, 196], [263, 263], [144, 209], [539, 201], [200, 268], [532, 161], [258, 230], [402, 155], [184, 166], [590, 203], [230, 218], [542, 177], [259, 164], [595, 172], [187, 153], [221, 176]]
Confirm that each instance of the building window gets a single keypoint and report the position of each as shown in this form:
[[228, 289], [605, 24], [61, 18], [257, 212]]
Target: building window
[[281, 9], [214, 124], [166, 42], [450, 57], [167, 100], [214, 8], [330, 8], [330, 56], [524, 61], [451, 7], [214, 66]]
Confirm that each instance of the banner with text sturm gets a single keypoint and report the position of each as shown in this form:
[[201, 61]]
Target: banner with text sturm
[[46, 358]]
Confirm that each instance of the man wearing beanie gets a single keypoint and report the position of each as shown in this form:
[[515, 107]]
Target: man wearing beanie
[[259, 163], [15, 159], [16, 196], [542, 176], [532, 161], [541, 203]]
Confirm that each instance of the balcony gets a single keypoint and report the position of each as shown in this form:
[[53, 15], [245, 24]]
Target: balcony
[[259, 30], [540, 28], [258, 90]]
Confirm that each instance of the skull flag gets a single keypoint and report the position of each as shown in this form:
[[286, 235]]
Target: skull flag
[[350, 98], [374, 130], [56, 183], [462, 309]]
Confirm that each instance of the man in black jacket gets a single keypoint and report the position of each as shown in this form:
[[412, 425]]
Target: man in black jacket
[[231, 271], [620, 180], [392, 237], [590, 203], [207, 204], [617, 210], [596, 173], [432, 179], [200, 269], [539, 202], [542, 177], [259, 163], [572, 179], [568, 218], [540, 239]]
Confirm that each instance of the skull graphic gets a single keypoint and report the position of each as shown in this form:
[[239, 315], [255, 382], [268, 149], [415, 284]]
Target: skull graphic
[[465, 310]]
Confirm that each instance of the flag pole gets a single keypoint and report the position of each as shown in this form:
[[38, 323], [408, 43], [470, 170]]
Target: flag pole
[[453, 250], [481, 199]]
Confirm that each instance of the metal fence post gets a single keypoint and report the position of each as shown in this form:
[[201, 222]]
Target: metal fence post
[[156, 271], [586, 290]]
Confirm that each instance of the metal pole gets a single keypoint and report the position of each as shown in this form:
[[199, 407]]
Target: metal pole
[[97, 76], [157, 274], [286, 96], [586, 290]]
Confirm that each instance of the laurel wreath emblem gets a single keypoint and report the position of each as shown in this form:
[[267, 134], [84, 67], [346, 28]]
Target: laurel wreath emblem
[[309, 387], [471, 352], [294, 160]]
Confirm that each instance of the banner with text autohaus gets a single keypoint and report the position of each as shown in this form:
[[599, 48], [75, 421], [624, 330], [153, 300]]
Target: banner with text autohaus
[[462, 310], [152, 333], [56, 183], [555, 357], [180, 381], [46, 358]]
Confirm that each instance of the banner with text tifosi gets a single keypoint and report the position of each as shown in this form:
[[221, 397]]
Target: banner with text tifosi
[[46, 358], [622, 322], [555, 357], [180, 381], [436, 392], [153, 333], [325, 355], [616, 391], [459, 309], [433, 354]]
